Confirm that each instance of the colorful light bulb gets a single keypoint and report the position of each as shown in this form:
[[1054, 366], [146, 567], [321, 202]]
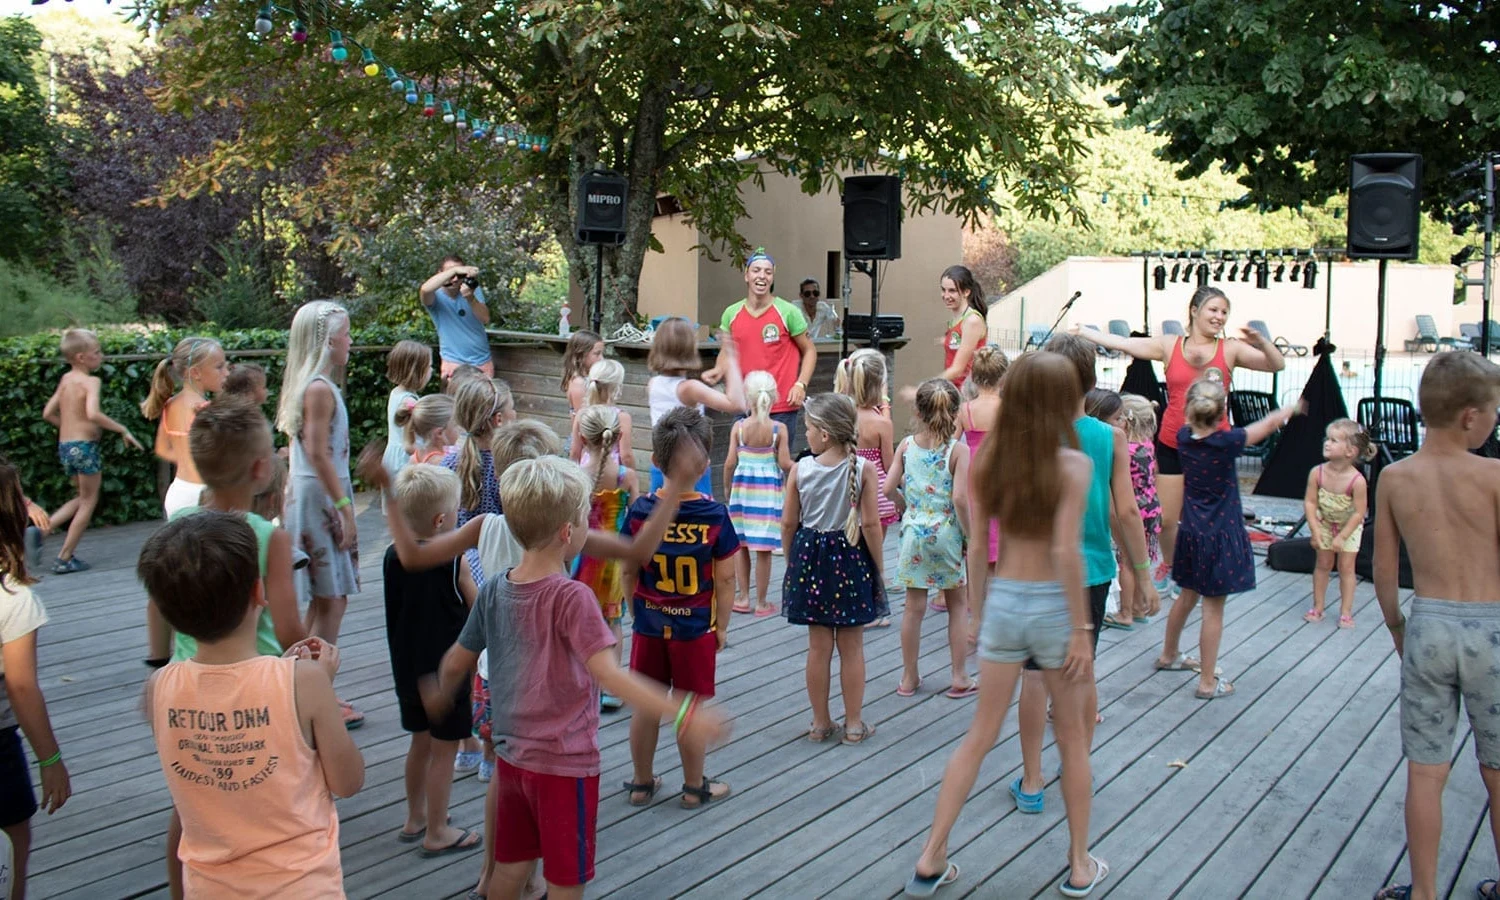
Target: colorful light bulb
[[427, 107], [447, 112], [525, 143], [398, 84], [299, 31], [367, 56], [411, 91], [264, 20], [463, 119], [336, 41]]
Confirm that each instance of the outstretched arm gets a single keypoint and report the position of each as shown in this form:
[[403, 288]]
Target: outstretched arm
[[1139, 348], [1261, 429]]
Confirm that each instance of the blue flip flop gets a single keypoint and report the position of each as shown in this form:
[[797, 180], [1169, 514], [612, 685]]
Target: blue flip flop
[[927, 885], [1068, 889]]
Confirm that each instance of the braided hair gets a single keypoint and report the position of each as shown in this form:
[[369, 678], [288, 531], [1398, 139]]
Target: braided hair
[[835, 414]]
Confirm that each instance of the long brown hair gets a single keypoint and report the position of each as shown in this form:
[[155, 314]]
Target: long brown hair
[[579, 346], [1017, 473], [13, 524]]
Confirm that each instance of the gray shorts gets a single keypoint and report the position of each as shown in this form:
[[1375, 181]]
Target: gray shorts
[[1451, 650], [1025, 620]]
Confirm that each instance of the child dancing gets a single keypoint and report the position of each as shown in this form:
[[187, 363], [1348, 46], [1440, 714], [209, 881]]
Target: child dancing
[[1336, 501], [1213, 557], [834, 583], [673, 361], [428, 430], [932, 475], [409, 368], [977, 417], [605, 381], [1137, 417], [758, 459]]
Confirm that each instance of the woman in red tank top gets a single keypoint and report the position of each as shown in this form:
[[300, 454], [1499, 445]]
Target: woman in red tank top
[[967, 327], [1199, 354]]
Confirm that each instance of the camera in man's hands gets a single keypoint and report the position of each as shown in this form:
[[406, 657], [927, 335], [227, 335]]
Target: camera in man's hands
[[471, 282]]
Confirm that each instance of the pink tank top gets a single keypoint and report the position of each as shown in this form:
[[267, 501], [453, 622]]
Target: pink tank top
[[258, 820], [974, 437]]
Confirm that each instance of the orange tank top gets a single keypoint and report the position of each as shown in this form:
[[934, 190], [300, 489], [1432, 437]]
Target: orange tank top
[[1180, 376], [953, 338], [258, 820]]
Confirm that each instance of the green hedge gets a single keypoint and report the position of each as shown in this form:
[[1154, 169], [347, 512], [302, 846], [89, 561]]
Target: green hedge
[[31, 366]]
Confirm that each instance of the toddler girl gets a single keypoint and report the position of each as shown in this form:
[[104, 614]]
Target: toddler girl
[[615, 488], [977, 416], [1335, 504], [1212, 558], [758, 459], [830, 532], [320, 498], [409, 368], [606, 380], [428, 431], [477, 410], [1138, 420], [932, 474], [197, 365], [673, 359], [584, 349]]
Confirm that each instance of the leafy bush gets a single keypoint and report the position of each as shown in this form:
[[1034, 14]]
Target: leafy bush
[[235, 292], [32, 300], [30, 367]]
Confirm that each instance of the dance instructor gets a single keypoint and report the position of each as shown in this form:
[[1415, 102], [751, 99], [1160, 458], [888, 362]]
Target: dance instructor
[[967, 326], [1198, 354]]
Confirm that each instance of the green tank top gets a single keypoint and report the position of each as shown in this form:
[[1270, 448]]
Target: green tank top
[[1097, 440], [265, 632]]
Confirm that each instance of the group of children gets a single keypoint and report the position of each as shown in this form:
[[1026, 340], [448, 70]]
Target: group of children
[[511, 565]]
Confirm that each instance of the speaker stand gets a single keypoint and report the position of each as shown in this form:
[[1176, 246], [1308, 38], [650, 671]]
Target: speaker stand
[[598, 288], [1380, 327], [870, 267]]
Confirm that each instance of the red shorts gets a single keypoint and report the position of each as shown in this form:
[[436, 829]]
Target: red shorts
[[547, 817], [683, 665]]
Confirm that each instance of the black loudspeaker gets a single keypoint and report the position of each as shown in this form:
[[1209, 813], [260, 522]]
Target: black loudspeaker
[[872, 217], [1364, 560], [601, 208], [857, 326], [1292, 555], [1385, 196]]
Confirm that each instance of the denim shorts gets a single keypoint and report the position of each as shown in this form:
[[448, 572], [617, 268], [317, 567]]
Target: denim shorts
[[1452, 651], [1025, 620]]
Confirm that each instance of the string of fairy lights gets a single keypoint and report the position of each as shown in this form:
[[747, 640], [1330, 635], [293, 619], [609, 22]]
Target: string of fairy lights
[[408, 87], [1147, 196]]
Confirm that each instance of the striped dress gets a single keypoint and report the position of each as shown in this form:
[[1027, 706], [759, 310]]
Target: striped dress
[[607, 509], [755, 495]]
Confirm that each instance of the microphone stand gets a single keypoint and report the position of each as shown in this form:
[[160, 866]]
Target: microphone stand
[[1062, 312]]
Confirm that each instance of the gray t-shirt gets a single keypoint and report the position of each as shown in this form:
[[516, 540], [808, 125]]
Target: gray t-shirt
[[21, 613]]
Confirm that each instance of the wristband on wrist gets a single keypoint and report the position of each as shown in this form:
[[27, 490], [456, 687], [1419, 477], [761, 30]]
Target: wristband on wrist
[[692, 708], [682, 711], [52, 760], [342, 502], [1399, 625], [1088, 627]]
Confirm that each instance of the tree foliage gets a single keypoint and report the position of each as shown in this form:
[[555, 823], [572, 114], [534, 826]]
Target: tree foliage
[[958, 96], [30, 175], [1283, 93]]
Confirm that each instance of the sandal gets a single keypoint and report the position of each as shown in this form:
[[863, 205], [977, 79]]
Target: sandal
[[649, 790], [882, 622], [903, 691], [1346, 621], [1488, 889], [940, 605], [704, 795], [1313, 615], [353, 718], [853, 736], [1222, 688], [1068, 889], [1110, 621], [960, 693], [1182, 663], [768, 610], [741, 608], [466, 840], [1395, 892], [927, 885], [819, 735]]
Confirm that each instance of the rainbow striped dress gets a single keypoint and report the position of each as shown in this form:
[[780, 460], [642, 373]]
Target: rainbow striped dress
[[755, 496], [607, 510]]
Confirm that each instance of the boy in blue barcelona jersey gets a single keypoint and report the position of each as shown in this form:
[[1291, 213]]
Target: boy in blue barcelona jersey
[[680, 607]]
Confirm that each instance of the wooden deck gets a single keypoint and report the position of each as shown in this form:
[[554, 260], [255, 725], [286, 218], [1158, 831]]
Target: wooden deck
[[1292, 788]]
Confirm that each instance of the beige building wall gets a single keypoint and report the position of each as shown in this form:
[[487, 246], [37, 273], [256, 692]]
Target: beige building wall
[[801, 232], [1112, 289]]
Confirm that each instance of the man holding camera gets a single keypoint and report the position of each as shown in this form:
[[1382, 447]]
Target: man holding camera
[[455, 301]]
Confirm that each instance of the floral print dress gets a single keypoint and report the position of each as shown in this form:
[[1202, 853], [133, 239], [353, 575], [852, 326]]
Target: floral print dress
[[932, 545]]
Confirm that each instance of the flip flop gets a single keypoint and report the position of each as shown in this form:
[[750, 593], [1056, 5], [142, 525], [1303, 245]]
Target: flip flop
[[1068, 889], [902, 691], [1111, 622], [819, 735], [1182, 663], [742, 609], [866, 730], [648, 789], [768, 610], [411, 837], [458, 846], [353, 718], [882, 622], [1487, 889], [1222, 688], [939, 604], [927, 885], [1313, 616], [1395, 892], [1346, 621], [960, 693]]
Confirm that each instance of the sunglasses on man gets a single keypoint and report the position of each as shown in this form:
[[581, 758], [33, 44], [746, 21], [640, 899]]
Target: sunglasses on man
[[811, 292]]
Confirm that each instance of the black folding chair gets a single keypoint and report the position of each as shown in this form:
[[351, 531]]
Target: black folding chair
[[1246, 407], [1392, 425]]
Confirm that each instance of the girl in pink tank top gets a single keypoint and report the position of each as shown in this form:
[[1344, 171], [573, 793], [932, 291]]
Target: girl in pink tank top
[[978, 415]]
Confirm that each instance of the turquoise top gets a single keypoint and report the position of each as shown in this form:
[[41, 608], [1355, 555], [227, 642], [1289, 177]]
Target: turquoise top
[[1097, 439], [265, 632]]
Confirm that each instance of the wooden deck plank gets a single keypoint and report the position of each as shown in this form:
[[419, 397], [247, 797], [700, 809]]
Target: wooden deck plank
[[1293, 787]]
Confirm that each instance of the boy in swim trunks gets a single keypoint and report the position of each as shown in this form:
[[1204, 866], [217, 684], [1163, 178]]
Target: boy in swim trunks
[[74, 409], [1444, 502]]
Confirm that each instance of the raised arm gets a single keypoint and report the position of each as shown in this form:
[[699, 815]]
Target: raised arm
[[1261, 429], [1253, 351], [429, 289], [1153, 348]]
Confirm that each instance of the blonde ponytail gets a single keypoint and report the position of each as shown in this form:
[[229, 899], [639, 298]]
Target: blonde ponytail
[[937, 407], [760, 388], [605, 378], [173, 371], [474, 407], [162, 387], [599, 429]]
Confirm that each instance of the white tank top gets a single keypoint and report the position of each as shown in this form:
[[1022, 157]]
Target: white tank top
[[661, 395]]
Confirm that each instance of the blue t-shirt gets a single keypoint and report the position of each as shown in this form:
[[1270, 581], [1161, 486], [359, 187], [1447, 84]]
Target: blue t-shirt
[[1097, 440], [461, 337], [674, 590]]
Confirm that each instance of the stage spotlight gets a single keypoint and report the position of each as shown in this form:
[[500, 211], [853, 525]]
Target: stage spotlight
[[1176, 270], [1296, 270], [1310, 275], [1202, 274], [1263, 275], [1249, 264], [1234, 269], [1159, 276], [1462, 256], [1281, 271], [1219, 271]]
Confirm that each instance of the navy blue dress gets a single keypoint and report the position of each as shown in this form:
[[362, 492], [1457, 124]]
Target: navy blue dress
[[1213, 552]]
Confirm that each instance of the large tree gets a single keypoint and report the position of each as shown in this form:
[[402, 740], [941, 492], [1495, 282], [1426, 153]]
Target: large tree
[[1284, 93], [30, 173], [687, 98]]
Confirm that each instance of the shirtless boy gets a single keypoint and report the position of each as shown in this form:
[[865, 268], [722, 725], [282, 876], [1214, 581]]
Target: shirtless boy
[[74, 409], [1445, 503]]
